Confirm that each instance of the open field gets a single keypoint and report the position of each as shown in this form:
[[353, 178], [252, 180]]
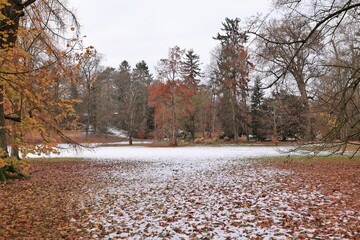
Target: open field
[[173, 198]]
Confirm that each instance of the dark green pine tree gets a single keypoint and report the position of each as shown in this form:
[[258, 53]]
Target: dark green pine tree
[[142, 75], [234, 67], [191, 68], [257, 111], [191, 73]]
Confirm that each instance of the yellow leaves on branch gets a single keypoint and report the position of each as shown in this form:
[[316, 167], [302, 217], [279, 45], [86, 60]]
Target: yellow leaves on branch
[[36, 95], [35, 73], [4, 3], [37, 19], [3, 161]]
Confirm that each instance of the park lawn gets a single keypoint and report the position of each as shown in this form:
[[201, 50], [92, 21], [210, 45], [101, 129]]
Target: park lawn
[[43, 206], [270, 197]]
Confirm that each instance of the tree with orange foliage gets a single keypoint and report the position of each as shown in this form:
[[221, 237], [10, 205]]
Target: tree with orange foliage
[[34, 58], [159, 99], [174, 94], [164, 95]]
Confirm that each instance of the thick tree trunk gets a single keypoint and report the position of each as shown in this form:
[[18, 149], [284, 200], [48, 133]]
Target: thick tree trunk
[[192, 136], [15, 153], [305, 101], [8, 28]]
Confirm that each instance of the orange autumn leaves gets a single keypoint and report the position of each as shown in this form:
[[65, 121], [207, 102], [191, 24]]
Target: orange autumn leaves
[[173, 96], [172, 101], [36, 68]]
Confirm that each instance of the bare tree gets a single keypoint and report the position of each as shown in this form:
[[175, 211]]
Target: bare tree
[[294, 62], [328, 19], [90, 71]]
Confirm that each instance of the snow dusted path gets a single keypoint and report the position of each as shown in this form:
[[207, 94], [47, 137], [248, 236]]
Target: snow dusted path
[[202, 193]]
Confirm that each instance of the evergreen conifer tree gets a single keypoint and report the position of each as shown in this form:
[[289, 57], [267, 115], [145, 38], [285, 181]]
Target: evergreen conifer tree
[[257, 111]]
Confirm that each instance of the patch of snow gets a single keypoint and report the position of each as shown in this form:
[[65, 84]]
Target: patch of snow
[[126, 142], [200, 192], [117, 132], [232, 200], [141, 153]]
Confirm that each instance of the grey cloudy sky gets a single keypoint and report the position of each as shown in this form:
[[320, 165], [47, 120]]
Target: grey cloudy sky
[[138, 30]]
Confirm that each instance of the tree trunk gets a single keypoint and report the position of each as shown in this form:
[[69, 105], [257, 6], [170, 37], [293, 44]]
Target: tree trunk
[[3, 146], [204, 125], [8, 26], [130, 119], [173, 140], [15, 151], [305, 101], [87, 127], [213, 115], [130, 129], [234, 122], [192, 135], [275, 133]]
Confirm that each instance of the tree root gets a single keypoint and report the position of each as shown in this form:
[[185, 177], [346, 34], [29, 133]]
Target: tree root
[[11, 172]]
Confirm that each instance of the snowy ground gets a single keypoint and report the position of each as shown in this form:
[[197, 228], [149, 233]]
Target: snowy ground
[[201, 193], [168, 153]]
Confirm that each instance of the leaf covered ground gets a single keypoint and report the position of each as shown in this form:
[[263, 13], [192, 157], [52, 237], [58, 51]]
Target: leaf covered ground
[[217, 199]]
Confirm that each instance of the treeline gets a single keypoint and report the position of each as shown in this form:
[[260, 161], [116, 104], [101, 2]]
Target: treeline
[[181, 102], [295, 77], [114, 98], [291, 77]]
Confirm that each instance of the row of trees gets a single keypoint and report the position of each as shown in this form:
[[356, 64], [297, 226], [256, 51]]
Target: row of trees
[[138, 103], [176, 104], [114, 98], [293, 77]]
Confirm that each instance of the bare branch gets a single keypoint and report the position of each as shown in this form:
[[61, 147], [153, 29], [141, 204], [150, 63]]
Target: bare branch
[[28, 2], [15, 119]]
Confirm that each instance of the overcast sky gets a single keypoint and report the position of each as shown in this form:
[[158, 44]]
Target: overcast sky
[[138, 30]]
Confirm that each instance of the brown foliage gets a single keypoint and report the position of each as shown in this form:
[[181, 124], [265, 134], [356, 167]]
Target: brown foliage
[[45, 205]]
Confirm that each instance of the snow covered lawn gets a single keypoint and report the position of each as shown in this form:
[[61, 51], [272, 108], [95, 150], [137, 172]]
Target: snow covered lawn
[[169, 154], [207, 193]]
